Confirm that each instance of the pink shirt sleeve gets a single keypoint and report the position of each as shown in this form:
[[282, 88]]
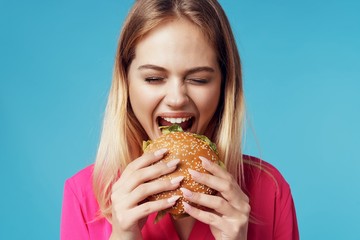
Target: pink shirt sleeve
[[272, 205], [80, 211], [286, 227], [73, 224]]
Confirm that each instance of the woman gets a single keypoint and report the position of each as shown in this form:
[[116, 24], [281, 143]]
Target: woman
[[177, 61]]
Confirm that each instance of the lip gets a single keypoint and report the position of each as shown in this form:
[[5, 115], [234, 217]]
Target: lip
[[175, 115], [190, 116]]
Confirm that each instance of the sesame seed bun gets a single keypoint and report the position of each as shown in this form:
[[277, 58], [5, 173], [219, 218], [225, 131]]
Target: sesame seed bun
[[187, 147]]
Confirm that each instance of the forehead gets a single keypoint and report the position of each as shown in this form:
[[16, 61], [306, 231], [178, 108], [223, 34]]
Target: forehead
[[174, 41]]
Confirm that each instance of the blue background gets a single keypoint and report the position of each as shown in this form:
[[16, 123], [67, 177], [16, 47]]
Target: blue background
[[301, 63]]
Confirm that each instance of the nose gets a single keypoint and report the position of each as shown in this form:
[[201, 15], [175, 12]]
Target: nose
[[176, 95]]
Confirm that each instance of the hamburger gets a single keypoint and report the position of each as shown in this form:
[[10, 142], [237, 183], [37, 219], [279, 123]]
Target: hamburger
[[187, 147]]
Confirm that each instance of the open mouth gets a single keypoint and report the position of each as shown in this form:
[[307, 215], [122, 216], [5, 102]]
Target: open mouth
[[184, 123]]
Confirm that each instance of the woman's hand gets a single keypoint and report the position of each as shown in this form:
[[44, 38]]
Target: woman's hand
[[229, 216], [129, 210]]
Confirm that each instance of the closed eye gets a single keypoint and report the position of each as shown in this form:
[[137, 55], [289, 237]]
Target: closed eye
[[197, 81], [153, 79]]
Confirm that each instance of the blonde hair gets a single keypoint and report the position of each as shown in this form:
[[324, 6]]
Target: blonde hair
[[122, 134]]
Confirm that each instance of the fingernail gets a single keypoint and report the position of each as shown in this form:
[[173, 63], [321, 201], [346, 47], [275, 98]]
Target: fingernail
[[187, 206], [160, 152], [193, 173], [176, 180], [205, 161], [186, 192], [173, 163], [173, 199]]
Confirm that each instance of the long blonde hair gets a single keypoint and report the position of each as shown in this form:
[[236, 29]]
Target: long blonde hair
[[122, 134]]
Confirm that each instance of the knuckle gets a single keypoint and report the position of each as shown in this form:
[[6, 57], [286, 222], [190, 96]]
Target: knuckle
[[113, 197], [246, 199], [163, 167], [228, 186], [146, 208], [159, 168], [195, 197], [247, 209], [117, 199], [136, 174], [219, 203], [243, 219], [201, 177], [236, 231], [229, 178], [130, 167], [164, 184], [142, 189], [212, 220]]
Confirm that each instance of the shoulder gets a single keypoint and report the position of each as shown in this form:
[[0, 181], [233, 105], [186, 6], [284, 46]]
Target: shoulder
[[81, 183], [258, 172], [80, 210], [79, 194], [272, 207]]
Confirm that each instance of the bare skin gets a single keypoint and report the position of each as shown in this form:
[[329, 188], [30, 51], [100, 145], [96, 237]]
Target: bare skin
[[184, 226]]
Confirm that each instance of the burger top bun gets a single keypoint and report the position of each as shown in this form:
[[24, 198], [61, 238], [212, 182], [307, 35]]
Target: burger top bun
[[187, 147]]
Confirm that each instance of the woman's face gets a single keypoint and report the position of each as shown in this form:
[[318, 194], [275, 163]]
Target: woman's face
[[174, 78]]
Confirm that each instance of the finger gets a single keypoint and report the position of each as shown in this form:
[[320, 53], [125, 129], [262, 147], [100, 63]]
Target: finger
[[143, 191], [229, 227], [150, 188], [146, 159], [215, 169], [228, 189], [140, 176], [217, 203], [203, 216], [143, 161], [149, 207], [214, 182], [128, 217]]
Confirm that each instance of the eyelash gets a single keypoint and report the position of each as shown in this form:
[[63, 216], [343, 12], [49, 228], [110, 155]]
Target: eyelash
[[196, 81], [153, 79]]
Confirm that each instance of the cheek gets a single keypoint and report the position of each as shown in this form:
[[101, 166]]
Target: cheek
[[136, 100], [142, 101], [207, 102]]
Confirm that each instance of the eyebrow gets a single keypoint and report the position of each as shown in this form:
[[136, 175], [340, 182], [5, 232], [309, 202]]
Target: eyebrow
[[150, 66], [190, 71]]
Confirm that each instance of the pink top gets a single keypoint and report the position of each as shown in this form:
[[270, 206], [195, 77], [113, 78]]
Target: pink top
[[272, 209]]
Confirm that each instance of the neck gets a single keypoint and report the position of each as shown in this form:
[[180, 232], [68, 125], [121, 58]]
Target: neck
[[184, 227]]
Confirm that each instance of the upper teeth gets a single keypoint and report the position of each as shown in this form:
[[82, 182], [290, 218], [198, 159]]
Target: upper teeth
[[177, 120]]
